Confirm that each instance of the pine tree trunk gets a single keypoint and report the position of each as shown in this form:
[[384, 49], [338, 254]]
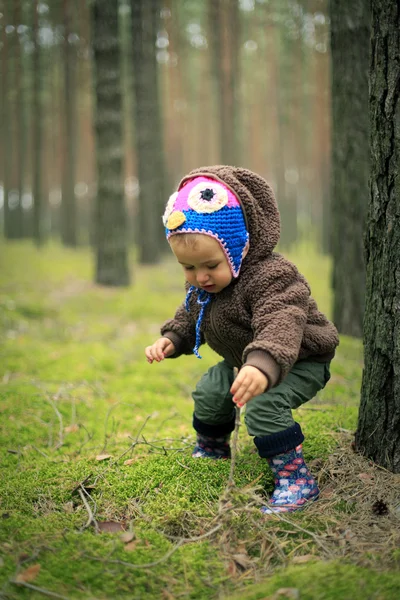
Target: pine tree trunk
[[350, 31], [110, 212], [68, 205], [38, 204], [224, 25], [20, 134], [5, 122], [378, 434], [148, 131]]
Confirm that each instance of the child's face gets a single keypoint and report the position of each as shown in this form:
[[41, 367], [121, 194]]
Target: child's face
[[203, 261]]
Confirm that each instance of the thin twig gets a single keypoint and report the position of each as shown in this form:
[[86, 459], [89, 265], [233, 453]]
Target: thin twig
[[40, 451], [91, 518], [131, 447], [310, 533], [163, 558], [133, 566], [231, 481], [39, 589], [197, 538], [59, 416]]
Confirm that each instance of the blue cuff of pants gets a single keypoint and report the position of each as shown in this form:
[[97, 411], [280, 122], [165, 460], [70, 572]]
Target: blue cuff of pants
[[277, 443], [214, 430]]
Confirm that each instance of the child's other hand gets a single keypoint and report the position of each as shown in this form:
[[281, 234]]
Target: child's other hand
[[161, 349], [249, 382]]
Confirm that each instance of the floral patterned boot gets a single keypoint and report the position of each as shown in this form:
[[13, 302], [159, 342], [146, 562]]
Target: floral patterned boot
[[209, 447], [294, 484]]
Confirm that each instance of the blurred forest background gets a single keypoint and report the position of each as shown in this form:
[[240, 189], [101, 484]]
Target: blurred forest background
[[158, 88]]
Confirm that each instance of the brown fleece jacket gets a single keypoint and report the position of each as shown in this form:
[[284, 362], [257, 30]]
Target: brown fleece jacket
[[266, 317]]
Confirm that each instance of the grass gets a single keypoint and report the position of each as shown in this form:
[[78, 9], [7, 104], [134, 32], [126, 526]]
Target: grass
[[75, 387]]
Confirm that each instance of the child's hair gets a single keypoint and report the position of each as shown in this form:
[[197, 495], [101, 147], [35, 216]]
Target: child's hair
[[189, 240]]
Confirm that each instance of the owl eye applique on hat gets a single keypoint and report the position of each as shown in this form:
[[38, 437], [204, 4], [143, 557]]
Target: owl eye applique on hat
[[169, 208], [207, 197]]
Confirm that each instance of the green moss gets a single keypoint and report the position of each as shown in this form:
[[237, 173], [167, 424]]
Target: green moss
[[74, 384], [327, 581]]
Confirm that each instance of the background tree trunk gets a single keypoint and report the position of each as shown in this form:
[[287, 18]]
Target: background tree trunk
[[378, 434], [148, 131], [68, 203], [110, 213], [350, 31], [38, 201], [5, 121], [224, 31], [20, 125]]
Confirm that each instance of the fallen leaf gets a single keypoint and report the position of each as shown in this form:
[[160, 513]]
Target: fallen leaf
[[130, 461], [28, 574], [71, 428], [232, 568], [242, 560], [327, 492], [366, 477], [299, 560], [103, 456], [131, 546], [110, 526], [126, 537], [292, 593], [68, 507]]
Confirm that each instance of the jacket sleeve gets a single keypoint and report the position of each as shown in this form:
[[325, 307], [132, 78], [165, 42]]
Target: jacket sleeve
[[279, 301], [181, 330]]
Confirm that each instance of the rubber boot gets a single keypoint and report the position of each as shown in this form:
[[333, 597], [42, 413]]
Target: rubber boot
[[210, 447], [294, 484]]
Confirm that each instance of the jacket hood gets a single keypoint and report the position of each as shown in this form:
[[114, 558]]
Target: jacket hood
[[257, 200]]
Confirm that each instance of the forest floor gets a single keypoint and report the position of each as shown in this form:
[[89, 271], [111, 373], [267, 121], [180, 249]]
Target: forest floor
[[99, 496]]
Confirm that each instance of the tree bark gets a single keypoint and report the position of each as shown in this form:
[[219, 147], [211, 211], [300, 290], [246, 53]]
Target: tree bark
[[38, 204], [224, 30], [378, 433], [148, 131], [5, 122], [110, 212], [68, 204], [20, 129], [350, 31]]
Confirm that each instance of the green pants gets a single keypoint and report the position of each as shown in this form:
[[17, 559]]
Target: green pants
[[267, 413]]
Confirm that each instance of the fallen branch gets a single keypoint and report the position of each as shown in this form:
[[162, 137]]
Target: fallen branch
[[38, 589], [91, 519], [133, 566], [160, 560]]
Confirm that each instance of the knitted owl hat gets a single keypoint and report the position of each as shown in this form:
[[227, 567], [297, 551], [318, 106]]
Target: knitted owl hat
[[204, 205]]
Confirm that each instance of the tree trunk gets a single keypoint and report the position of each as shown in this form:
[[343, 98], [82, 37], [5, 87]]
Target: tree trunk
[[148, 131], [110, 212], [224, 23], [350, 30], [20, 126], [68, 204], [5, 122], [378, 434], [282, 57], [37, 117]]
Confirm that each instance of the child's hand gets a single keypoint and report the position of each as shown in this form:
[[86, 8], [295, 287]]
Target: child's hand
[[161, 349], [249, 382]]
